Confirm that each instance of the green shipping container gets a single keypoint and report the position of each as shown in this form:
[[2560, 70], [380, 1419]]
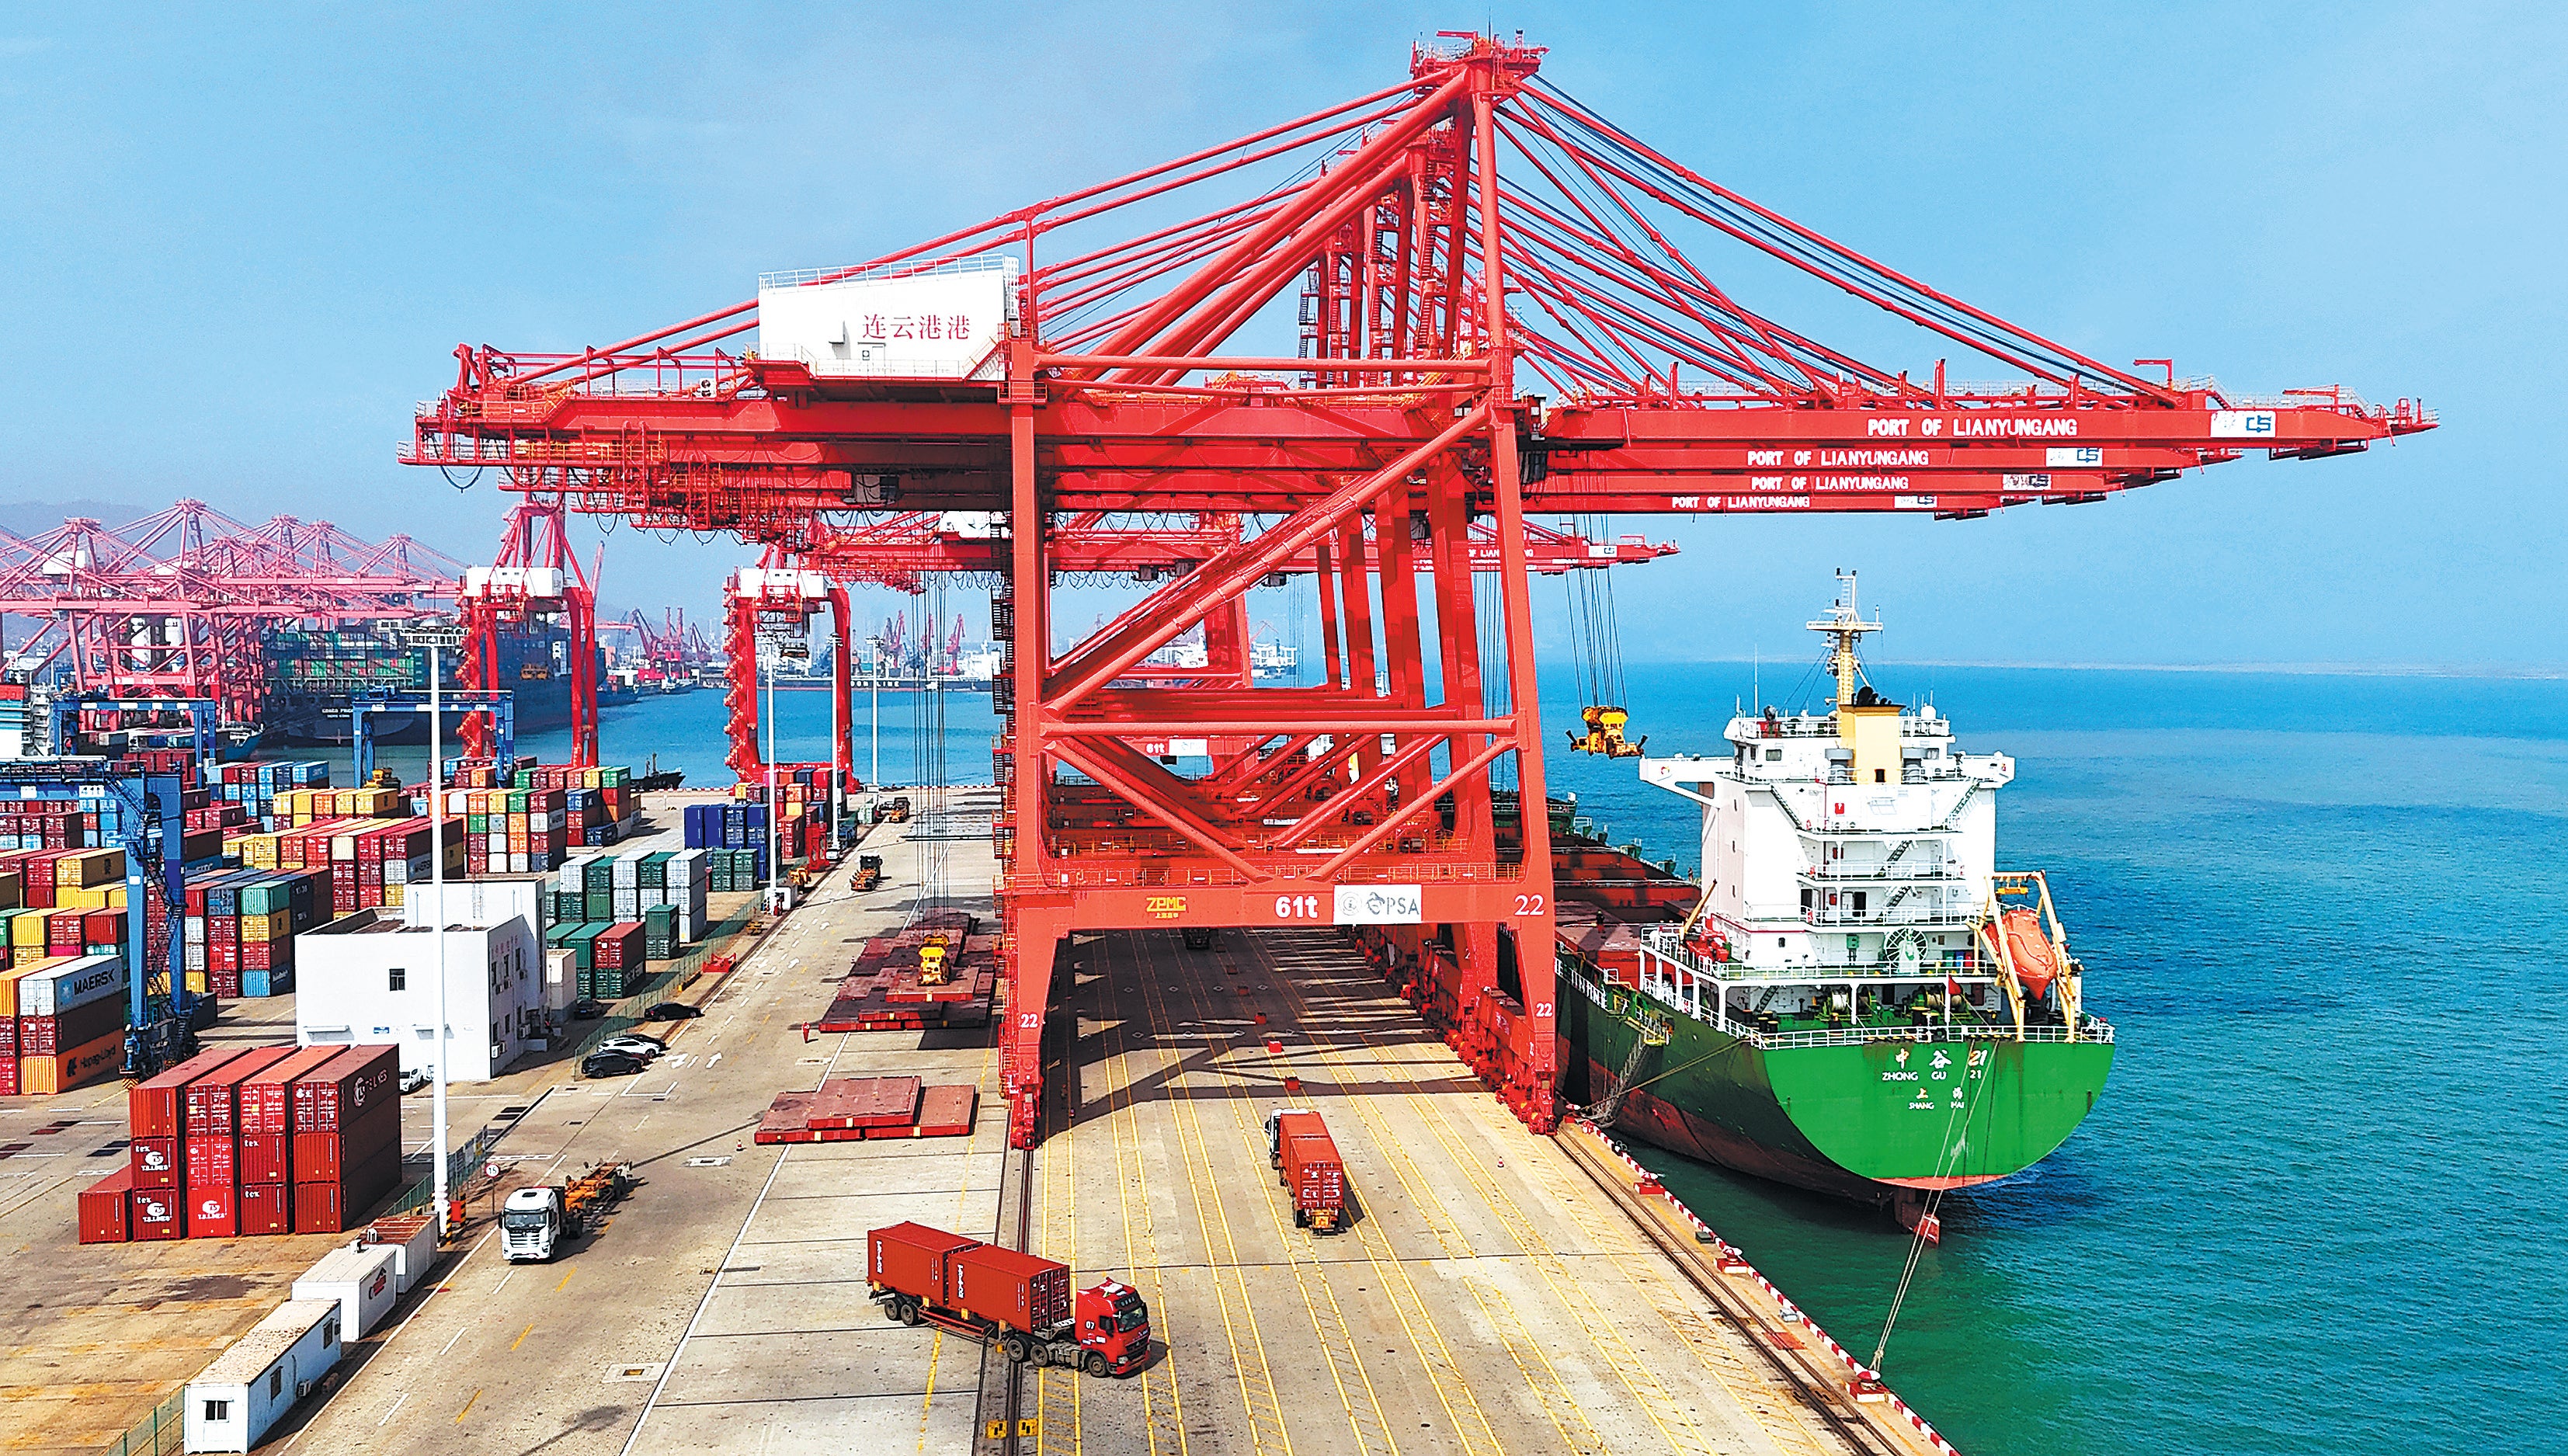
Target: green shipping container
[[653, 872]]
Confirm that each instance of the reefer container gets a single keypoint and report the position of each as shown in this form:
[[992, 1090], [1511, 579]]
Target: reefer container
[[76, 981], [359, 1279], [412, 1240], [238, 1398]]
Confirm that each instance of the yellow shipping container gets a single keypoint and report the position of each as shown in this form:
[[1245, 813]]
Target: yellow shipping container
[[258, 851], [87, 897], [29, 929], [90, 867], [393, 897], [196, 983], [276, 925]]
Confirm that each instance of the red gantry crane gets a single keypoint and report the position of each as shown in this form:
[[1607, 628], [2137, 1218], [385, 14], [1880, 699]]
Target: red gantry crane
[[1502, 303]]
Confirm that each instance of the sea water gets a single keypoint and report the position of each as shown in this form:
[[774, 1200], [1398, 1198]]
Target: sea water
[[2320, 1201]]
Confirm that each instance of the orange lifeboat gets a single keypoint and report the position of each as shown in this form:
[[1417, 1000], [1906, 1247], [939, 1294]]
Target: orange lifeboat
[[2036, 962]]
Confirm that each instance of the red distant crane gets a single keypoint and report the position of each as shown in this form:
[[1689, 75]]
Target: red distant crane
[[1500, 310], [181, 602], [535, 579]]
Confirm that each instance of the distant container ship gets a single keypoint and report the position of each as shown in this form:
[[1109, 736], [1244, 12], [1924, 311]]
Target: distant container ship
[[316, 673]]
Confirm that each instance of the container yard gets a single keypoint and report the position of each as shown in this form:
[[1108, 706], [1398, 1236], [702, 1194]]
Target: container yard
[[1204, 1081]]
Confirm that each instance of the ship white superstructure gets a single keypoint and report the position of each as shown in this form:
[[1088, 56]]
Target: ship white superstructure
[[1857, 840]]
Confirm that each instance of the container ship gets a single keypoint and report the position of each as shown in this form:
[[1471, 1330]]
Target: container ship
[[315, 674], [1854, 999]]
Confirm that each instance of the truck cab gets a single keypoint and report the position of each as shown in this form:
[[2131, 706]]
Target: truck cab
[[1113, 1322], [533, 1223]]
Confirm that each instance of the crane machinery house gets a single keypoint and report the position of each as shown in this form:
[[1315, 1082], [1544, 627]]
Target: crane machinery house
[[371, 978], [944, 321]]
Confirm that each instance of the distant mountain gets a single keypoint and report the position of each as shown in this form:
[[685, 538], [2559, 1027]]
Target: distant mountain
[[35, 517]]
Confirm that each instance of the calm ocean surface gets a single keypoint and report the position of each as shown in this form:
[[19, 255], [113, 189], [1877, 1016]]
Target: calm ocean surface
[[2321, 1202]]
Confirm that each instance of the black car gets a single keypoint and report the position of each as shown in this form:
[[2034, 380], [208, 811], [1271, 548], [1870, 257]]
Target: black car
[[587, 1009], [673, 1011], [610, 1064]]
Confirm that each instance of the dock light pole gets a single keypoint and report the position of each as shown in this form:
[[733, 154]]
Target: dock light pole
[[437, 638]]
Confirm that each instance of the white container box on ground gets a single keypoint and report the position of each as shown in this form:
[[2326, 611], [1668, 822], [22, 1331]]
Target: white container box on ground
[[234, 1404], [413, 1257], [363, 1281]]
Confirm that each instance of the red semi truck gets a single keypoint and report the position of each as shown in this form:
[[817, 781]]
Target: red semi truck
[[1306, 1157], [924, 1275]]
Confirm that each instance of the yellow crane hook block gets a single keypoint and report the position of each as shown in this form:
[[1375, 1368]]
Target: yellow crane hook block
[[1604, 723]]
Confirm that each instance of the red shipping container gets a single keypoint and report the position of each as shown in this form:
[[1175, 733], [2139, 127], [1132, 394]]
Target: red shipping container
[[154, 1109], [153, 1162], [322, 1157], [212, 1159], [159, 1213], [9, 1075], [344, 1089], [267, 1099], [1019, 1290], [214, 1106], [102, 927], [911, 1258], [79, 1026], [106, 1209], [214, 1212], [329, 1207], [266, 1208], [267, 1157], [619, 946], [8, 1038]]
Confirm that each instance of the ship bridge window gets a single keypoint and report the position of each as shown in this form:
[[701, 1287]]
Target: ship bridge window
[[1881, 776], [1773, 756]]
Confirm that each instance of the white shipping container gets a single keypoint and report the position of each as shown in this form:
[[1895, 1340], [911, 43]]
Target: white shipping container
[[628, 869], [59, 989], [234, 1404], [359, 1279], [689, 867], [413, 1257], [561, 980]]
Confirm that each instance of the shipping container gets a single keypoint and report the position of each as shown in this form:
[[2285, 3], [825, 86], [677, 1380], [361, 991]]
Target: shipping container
[[77, 1067], [911, 1258], [330, 1208], [84, 1024], [1019, 1290], [412, 1240], [77, 981], [212, 1105], [266, 1208], [154, 1109], [106, 1209], [328, 1154], [345, 1087], [160, 1213], [234, 1404], [214, 1210], [360, 1280]]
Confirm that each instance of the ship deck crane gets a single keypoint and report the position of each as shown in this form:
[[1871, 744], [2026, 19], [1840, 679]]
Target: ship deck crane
[[1507, 310]]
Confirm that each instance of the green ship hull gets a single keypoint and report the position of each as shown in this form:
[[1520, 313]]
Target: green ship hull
[[1876, 1117]]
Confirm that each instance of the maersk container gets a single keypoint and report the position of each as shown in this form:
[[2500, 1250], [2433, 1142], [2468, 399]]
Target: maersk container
[[362, 1281], [238, 1398]]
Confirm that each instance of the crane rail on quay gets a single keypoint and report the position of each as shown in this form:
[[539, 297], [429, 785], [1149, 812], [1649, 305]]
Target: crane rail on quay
[[1499, 312]]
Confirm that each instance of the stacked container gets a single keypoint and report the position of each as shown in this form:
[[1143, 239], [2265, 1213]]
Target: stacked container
[[254, 786], [267, 1140], [347, 1137], [66, 1020], [210, 1141]]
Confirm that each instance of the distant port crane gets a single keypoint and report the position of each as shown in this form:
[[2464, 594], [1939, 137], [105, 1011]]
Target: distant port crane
[[181, 602], [1494, 306]]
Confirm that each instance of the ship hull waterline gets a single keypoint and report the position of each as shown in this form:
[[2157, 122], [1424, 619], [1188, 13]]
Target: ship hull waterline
[[1877, 1123]]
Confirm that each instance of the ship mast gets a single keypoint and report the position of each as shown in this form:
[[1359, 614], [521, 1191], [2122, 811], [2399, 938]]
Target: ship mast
[[1844, 627]]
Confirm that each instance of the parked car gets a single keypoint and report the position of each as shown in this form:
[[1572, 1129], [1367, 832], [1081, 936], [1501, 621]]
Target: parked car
[[673, 1011], [607, 1064], [414, 1079], [586, 1010]]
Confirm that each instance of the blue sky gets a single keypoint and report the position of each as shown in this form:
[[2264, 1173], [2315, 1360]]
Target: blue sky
[[233, 252]]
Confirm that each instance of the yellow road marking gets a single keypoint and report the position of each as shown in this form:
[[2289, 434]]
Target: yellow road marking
[[521, 1339], [566, 1279], [468, 1406]]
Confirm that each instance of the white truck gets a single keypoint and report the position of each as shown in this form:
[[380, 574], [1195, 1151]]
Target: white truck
[[533, 1223]]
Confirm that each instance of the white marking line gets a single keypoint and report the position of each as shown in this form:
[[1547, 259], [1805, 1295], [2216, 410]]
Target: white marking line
[[702, 1305], [503, 1279], [396, 1405]]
